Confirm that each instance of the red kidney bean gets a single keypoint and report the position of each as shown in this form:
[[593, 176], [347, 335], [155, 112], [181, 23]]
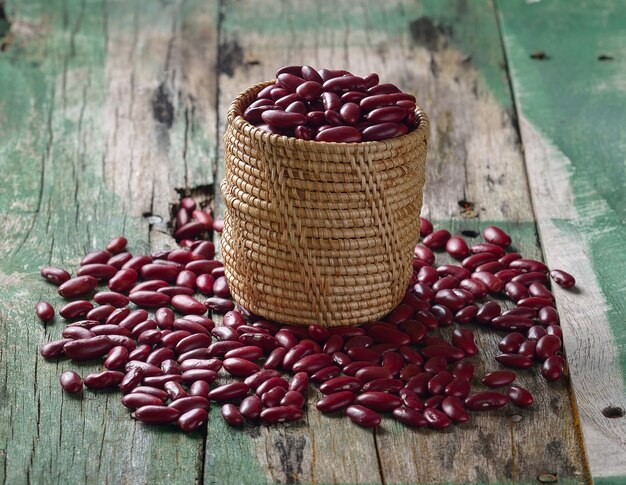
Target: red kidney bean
[[448, 352], [463, 370], [494, 249], [123, 280], [44, 311], [378, 401], [271, 383], [221, 288], [186, 278], [442, 314], [527, 279], [275, 358], [350, 113], [325, 373], [116, 245], [148, 370], [137, 399], [363, 416], [219, 349], [344, 83], [191, 229], [435, 364], [193, 419], [175, 391], [96, 257], [437, 384], [123, 341], [240, 367], [158, 356], [507, 275], [210, 364], [408, 371], [165, 272], [536, 332], [131, 380], [199, 375], [251, 407], [312, 363], [475, 260], [77, 286], [515, 291], [410, 417], [87, 349], [466, 315], [511, 322], [203, 266], [527, 348], [332, 345], [137, 262], [492, 282], [283, 119], [454, 408], [280, 414], [255, 380], [457, 387], [457, 247], [71, 382], [273, 397], [498, 378], [535, 302], [100, 313], [419, 383], [309, 90], [339, 134], [119, 259], [127, 319], [562, 278], [393, 361], [384, 385], [555, 330], [219, 305], [449, 299], [98, 271], [229, 392], [426, 227], [152, 285], [539, 290], [437, 239], [528, 266], [547, 346], [156, 414], [436, 419], [199, 388], [77, 332], [370, 373], [250, 352], [488, 312], [552, 368], [54, 275], [445, 283], [231, 415], [548, 316], [514, 360], [475, 287], [506, 259], [293, 399], [149, 299], [519, 396], [495, 235], [511, 343], [486, 401], [111, 298], [458, 272], [102, 380], [116, 358], [383, 131], [463, 338]]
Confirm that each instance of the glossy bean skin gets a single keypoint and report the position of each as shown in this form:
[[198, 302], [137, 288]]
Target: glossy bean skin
[[102, 380], [409, 417], [383, 131], [363, 416], [44, 311], [519, 396], [511, 343], [87, 349], [514, 360], [77, 286], [339, 134], [156, 414], [436, 419], [562, 278], [56, 276], [71, 382], [280, 414], [136, 400], [498, 378], [552, 368], [495, 235], [437, 239], [486, 401], [454, 408], [193, 419], [111, 298]]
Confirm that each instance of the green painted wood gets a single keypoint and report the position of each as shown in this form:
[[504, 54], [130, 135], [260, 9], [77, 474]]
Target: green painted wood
[[84, 155], [571, 106]]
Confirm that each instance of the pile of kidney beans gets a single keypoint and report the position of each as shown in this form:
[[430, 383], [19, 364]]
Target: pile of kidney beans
[[332, 106], [166, 355]]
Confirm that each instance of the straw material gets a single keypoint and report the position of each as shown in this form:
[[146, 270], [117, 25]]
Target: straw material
[[319, 233]]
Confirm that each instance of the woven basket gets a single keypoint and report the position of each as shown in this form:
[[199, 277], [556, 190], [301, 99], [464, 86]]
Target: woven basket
[[319, 233]]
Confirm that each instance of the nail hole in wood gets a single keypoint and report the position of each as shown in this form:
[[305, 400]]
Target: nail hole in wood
[[613, 412]]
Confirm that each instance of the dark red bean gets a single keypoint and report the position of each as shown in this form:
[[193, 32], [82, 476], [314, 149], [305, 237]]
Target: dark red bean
[[137, 262], [339, 134], [87, 349], [555, 330], [148, 370], [341, 83], [439, 381], [219, 305], [77, 332], [102, 380], [271, 383], [229, 392], [111, 298], [515, 291], [193, 419], [548, 316], [466, 315], [514, 360], [519, 396], [280, 414], [123, 280], [488, 312], [149, 299], [528, 266], [552, 368], [458, 272], [325, 373], [435, 364], [511, 322], [260, 377], [369, 373], [527, 348], [156, 414], [77, 286], [131, 380], [251, 407], [463, 370], [116, 358], [444, 315], [486, 401], [492, 282], [363, 416], [203, 266], [511, 343], [309, 90], [119, 260], [312, 363], [293, 399], [436, 419], [231, 415], [463, 338], [152, 391], [221, 288], [437, 239], [475, 287], [54, 275], [457, 247], [273, 397], [419, 383], [410, 417], [71, 382], [384, 130], [99, 271], [527, 279], [539, 290], [450, 299], [489, 248], [507, 275], [454, 408], [457, 387], [562, 278], [240, 367], [448, 352], [547, 346], [96, 257], [495, 235], [137, 399], [475, 260], [44, 311], [100, 313], [498, 378], [116, 245]]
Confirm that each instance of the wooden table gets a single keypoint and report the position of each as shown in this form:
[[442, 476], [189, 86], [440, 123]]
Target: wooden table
[[110, 110]]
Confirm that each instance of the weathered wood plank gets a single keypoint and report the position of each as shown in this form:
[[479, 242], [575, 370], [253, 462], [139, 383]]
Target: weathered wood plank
[[571, 105], [101, 103], [474, 156]]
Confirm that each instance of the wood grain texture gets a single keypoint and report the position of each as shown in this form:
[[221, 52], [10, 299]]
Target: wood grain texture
[[99, 106], [570, 106]]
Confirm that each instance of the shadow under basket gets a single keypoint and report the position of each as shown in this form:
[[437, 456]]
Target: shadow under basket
[[319, 233]]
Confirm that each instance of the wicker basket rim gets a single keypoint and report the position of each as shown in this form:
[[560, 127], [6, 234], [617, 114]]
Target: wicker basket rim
[[235, 118]]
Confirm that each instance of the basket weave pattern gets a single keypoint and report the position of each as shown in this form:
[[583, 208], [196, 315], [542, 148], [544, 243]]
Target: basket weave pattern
[[319, 233]]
